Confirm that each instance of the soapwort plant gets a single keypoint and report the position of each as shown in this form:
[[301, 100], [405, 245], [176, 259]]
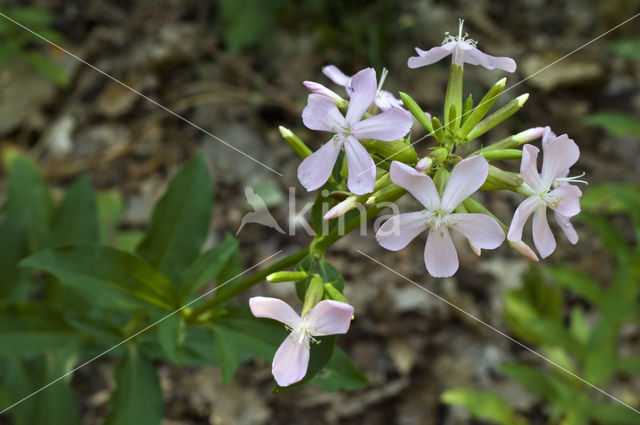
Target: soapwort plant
[[72, 289]]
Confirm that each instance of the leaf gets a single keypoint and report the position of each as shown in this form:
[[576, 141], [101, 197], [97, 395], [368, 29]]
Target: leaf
[[611, 414], [138, 397], [630, 365], [484, 405], [180, 220], [28, 196], [545, 385], [106, 276], [76, 219], [629, 48], [171, 334], [578, 282], [13, 247], [612, 239], [110, 208], [48, 68], [225, 353], [606, 198], [615, 123], [600, 363], [207, 266], [340, 374]]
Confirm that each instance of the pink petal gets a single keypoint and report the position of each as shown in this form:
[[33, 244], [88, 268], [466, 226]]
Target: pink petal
[[336, 75], [419, 185], [314, 170], [322, 114], [330, 317], [364, 92], [390, 125], [290, 362], [362, 169], [542, 237], [529, 168], [322, 90], [482, 230], [567, 228], [520, 217], [430, 56], [273, 308], [559, 156], [440, 254], [399, 230], [569, 196], [474, 56], [386, 100], [547, 137], [466, 177]]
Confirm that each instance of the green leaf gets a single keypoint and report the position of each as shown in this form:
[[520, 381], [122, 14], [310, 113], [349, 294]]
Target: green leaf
[[76, 218], [484, 405], [578, 282], [630, 365], [48, 68], [611, 414], [545, 385], [106, 276], [28, 196], [340, 374], [615, 123], [138, 397], [629, 48], [180, 220], [612, 239], [171, 334], [207, 266], [13, 247], [30, 16], [110, 208], [225, 353], [606, 198], [600, 364]]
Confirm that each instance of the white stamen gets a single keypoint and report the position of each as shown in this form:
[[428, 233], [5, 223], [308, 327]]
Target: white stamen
[[383, 76], [573, 179]]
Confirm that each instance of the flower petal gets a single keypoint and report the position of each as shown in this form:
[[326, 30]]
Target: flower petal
[[322, 114], [542, 236], [520, 217], [419, 185], [290, 362], [337, 76], [548, 136], [430, 56], [362, 169], [569, 195], [399, 230], [475, 56], [466, 177], [364, 92], [567, 228], [559, 156], [440, 254], [482, 230], [274, 308], [390, 125], [330, 317], [529, 168], [314, 170], [318, 88]]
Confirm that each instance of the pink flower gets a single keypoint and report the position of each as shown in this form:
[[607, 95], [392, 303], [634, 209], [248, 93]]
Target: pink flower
[[385, 100], [322, 114], [440, 255], [291, 360], [551, 189], [463, 49]]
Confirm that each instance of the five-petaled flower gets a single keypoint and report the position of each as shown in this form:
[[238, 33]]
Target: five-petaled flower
[[291, 360], [322, 114], [551, 189], [462, 49], [440, 255]]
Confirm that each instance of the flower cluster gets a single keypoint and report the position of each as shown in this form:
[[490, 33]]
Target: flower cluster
[[373, 123]]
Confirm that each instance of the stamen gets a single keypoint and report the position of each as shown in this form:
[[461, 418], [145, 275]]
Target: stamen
[[383, 76], [573, 179], [461, 23]]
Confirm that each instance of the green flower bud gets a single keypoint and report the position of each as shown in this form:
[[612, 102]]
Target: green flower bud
[[287, 276], [483, 107], [313, 296], [294, 141], [416, 111], [497, 117]]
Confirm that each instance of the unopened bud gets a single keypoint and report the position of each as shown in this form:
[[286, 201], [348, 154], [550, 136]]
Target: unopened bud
[[397, 150], [502, 154], [529, 135], [313, 296], [524, 250], [287, 276], [332, 293], [440, 178], [318, 88], [497, 117], [422, 117], [424, 164], [483, 107], [439, 155], [342, 208], [294, 141], [499, 179]]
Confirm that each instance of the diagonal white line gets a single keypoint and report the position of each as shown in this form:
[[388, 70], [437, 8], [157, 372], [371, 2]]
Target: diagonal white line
[[515, 85], [175, 114], [499, 332], [137, 333]]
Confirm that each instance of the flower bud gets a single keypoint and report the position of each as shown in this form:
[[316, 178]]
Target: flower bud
[[502, 154], [439, 155], [424, 164], [499, 179], [529, 135], [294, 141], [438, 133], [497, 117], [483, 107], [440, 178], [318, 88], [422, 117], [287, 276], [332, 293], [397, 150], [524, 250], [342, 208], [313, 296]]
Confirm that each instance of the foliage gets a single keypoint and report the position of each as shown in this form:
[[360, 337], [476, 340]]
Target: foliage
[[576, 321], [18, 44], [94, 294]]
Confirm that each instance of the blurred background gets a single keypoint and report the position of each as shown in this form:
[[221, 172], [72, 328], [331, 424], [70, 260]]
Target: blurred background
[[235, 68]]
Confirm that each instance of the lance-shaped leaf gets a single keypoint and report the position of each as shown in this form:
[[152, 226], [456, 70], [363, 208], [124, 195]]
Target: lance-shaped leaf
[[76, 219]]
